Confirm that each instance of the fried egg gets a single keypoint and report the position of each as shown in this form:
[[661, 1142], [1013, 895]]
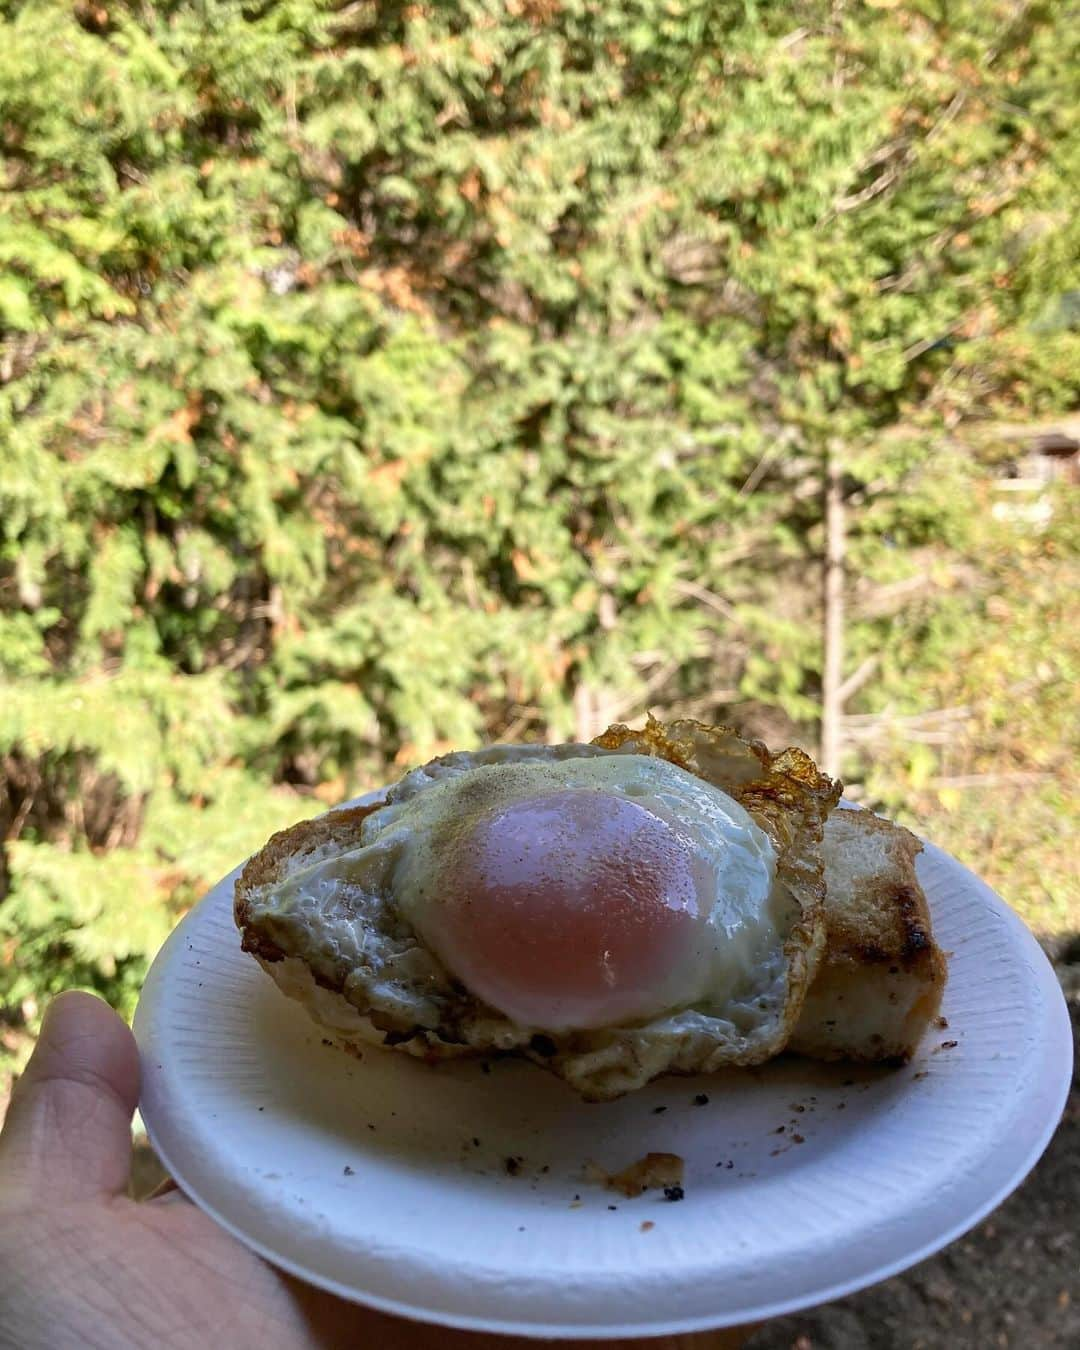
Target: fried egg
[[650, 902]]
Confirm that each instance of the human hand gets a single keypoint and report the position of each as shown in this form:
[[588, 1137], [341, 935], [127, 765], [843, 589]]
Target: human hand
[[82, 1264]]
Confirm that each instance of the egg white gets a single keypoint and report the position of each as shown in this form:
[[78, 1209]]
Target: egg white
[[400, 851], [732, 858], [328, 908]]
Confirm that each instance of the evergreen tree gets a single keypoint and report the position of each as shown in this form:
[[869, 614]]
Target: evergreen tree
[[379, 378]]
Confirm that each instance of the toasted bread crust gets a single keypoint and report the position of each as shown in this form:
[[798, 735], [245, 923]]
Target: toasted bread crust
[[883, 976], [271, 864], [877, 913]]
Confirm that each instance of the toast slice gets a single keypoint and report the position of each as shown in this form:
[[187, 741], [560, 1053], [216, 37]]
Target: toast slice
[[880, 983]]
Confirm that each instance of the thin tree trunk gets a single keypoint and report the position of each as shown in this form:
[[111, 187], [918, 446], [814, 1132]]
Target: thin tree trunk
[[595, 708], [833, 672]]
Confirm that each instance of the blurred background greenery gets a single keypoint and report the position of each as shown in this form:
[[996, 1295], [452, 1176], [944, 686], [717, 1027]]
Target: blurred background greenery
[[377, 378]]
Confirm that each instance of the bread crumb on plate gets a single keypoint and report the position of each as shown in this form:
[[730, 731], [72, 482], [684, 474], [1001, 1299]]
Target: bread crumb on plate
[[656, 1171]]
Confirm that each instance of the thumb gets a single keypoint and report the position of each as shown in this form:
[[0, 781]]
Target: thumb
[[67, 1136]]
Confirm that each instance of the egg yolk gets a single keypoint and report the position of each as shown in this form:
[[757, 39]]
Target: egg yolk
[[570, 909]]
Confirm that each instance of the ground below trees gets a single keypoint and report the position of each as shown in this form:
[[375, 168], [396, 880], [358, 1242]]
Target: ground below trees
[[1012, 1281]]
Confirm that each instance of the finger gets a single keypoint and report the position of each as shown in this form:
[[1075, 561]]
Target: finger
[[68, 1130]]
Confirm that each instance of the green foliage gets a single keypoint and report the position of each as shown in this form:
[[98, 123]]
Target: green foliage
[[993, 780], [379, 378]]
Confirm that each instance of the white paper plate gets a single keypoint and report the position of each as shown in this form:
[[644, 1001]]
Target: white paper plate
[[387, 1182]]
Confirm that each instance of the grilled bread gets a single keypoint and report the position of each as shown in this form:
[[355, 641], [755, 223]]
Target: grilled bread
[[882, 978]]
